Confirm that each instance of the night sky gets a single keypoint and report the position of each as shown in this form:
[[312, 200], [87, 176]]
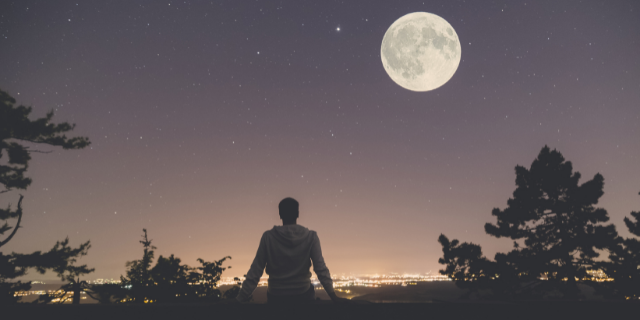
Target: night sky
[[204, 115]]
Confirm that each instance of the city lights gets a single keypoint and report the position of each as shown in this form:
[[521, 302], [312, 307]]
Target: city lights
[[366, 280]]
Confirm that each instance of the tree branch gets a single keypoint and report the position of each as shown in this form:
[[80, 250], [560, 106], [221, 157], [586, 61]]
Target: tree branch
[[15, 229], [28, 140], [38, 151]]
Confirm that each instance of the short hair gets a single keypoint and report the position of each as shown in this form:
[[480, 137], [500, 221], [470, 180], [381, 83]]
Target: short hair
[[288, 208]]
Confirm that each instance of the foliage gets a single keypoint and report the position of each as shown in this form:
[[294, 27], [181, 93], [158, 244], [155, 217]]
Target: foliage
[[466, 265], [108, 293], [463, 261], [554, 216], [169, 280], [59, 259], [68, 292], [210, 273], [624, 264], [18, 134]]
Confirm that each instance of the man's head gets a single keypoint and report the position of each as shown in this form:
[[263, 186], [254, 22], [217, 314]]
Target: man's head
[[288, 208]]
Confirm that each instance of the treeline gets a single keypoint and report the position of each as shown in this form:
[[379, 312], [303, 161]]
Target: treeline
[[167, 281], [18, 136], [558, 236]]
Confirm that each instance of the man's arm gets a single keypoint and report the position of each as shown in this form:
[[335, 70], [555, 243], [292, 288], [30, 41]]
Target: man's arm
[[321, 269], [255, 272]]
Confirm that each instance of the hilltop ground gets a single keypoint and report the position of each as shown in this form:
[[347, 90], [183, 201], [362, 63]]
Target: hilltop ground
[[330, 311], [430, 300], [422, 292]]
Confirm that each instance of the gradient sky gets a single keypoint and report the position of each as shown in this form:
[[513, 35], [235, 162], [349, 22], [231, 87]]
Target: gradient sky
[[203, 115]]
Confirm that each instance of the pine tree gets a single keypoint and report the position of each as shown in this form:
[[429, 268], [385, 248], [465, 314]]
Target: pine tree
[[168, 280], [624, 264], [138, 277], [18, 135], [556, 220]]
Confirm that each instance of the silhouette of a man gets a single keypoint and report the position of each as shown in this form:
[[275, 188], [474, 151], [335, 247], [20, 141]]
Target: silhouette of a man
[[287, 252]]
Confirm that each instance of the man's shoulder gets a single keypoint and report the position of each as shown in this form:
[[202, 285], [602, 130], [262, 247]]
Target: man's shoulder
[[309, 229], [311, 232]]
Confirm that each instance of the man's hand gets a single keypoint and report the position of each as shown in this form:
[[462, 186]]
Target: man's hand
[[340, 300], [337, 299]]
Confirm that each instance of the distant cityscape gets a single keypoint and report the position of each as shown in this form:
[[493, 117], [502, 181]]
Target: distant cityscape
[[341, 283], [363, 280], [366, 280]]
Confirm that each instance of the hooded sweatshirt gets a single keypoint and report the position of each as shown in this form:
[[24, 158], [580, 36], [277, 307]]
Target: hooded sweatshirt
[[287, 252]]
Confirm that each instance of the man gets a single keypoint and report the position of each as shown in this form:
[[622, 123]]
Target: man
[[287, 252]]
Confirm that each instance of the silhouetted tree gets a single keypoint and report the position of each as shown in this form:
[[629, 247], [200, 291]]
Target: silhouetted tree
[[107, 293], [18, 134], [558, 223], [169, 280], [210, 273], [556, 218], [72, 275], [75, 286], [465, 264], [624, 264], [59, 259], [463, 261], [138, 276]]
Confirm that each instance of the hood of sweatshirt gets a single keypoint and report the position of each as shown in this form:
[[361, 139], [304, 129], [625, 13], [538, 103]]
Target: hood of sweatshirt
[[291, 235]]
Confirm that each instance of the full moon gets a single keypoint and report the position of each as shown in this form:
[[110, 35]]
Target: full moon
[[420, 51]]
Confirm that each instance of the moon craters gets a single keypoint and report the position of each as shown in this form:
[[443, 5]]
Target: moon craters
[[420, 51]]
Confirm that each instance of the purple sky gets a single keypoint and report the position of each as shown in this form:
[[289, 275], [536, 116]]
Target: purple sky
[[204, 115]]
